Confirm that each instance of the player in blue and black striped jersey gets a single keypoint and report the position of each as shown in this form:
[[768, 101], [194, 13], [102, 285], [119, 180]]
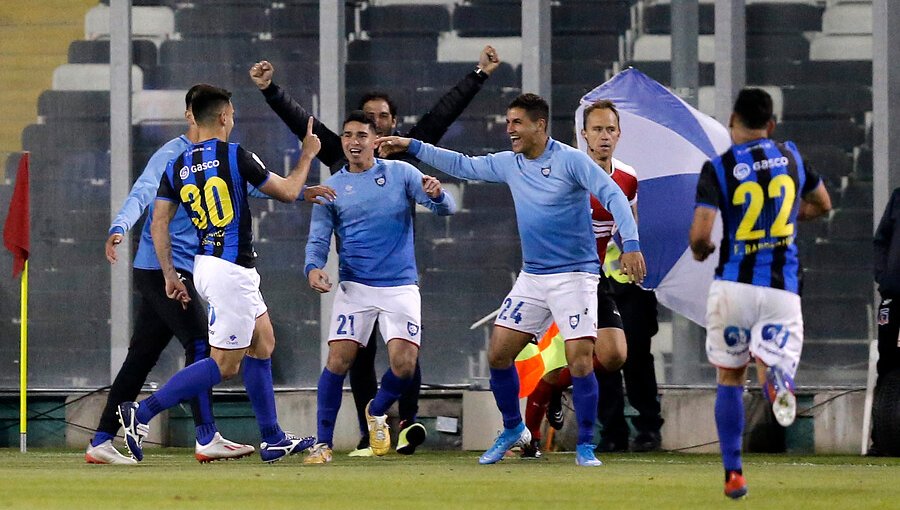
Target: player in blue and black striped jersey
[[210, 181], [762, 188]]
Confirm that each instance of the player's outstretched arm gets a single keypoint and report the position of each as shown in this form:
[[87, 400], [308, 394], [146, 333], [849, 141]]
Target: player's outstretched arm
[[287, 189], [163, 213], [701, 232], [294, 115], [483, 168]]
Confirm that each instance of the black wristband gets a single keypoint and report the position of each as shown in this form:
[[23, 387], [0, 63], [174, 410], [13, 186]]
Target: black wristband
[[479, 72]]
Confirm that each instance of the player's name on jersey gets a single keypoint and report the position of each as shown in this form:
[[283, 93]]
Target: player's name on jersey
[[751, 247]]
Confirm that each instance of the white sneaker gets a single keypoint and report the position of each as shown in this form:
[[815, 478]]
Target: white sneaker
[[106, 453], [220, 448]]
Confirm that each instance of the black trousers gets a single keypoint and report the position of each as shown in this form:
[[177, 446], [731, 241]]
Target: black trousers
[[888, 332], [639, 318], [364, 385], [158, 319]]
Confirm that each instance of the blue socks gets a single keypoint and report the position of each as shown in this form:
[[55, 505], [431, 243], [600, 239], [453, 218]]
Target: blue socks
[[505, 387], [585, 394], [100, 438], [390, 390], [328, 404], [257, 375], [204, 421], [184, 385], [730, 424]]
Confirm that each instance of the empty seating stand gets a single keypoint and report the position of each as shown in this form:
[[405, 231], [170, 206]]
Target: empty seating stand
[[405, 20]]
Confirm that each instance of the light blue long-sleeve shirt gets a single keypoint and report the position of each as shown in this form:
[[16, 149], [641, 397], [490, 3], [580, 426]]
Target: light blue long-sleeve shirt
[[552, 200], [141, 197], [373, 222]]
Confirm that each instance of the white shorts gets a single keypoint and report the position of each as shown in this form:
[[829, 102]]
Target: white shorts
[[536, 300], [398, 311], [744, 319], [232, 292]]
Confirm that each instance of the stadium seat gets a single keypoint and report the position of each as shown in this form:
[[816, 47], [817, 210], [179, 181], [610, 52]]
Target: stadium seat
[[468, 253], [90, 77], [301, 18], [585, 47], [484, 195], [659, 47], [468, 134], [393, 48], [567, 98], [706, 100], [572, 72], [206, 50], [220, 73], [405, 20], [73, 135], [852, 18], [74, 105], [658, 18], [832, 163], [489, 101], [840, 100], [864, 165], [609, 16], [154, 23], [841, 133], [777, 46], [443, 74], [661, 71], [143, 53], [841, 47], [284, 50], [783, 18], [488, 20], [158, 106], [285, 223], [497, 224], [223, 21], [851, 225]]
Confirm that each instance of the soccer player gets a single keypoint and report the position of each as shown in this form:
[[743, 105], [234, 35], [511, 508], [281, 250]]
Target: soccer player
[[551, 185], [372, 220], [430, 128], [209, 180], [159, 318], [601, 131], [754, 303]]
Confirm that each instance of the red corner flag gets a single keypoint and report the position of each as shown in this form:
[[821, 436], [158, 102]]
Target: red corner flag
[[16, 231]]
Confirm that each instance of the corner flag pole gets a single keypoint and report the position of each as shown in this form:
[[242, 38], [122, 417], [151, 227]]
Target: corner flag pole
[[23, 363]]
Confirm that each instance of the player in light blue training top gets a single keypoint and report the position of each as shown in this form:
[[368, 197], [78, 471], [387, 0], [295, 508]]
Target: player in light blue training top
[[372, 220], [551, 184]]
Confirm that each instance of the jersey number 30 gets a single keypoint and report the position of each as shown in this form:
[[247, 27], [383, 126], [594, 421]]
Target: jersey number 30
[[752, 192], [218, 203]]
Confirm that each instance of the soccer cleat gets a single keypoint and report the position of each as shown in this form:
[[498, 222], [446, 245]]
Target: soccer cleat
[[736, 486], [410, 437], [361, 452], [532, 450], [584, 455], [135, 431], [290, 445], [106, 453], [379, 433], [319, 454], [555, 416], [779, 390], [518, 436], [220, 448]]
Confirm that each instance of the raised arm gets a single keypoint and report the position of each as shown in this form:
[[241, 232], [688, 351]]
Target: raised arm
[[294, 115], [480, 168], [287, 189], [433, 125]]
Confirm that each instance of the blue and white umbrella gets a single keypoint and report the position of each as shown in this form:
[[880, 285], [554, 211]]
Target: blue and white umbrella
[[666, 141]]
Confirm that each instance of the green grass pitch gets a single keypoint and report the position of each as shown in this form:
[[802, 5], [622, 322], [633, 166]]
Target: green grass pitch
[[171, 478]]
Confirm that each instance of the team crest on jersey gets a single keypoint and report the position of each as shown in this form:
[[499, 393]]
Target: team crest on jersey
[[380, 180], [184, 173], [574, 320], [741, 171], [348, 189], [412, 328], [884, 316], [545, 172]]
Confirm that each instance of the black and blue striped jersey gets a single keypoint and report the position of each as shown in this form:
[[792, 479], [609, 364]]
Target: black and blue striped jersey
[[757, 186], [210, 181]]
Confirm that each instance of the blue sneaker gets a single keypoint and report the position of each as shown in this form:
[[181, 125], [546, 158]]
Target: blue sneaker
[[135, 431], [290, 445], [584, 455], [779, 390], [519, 436]]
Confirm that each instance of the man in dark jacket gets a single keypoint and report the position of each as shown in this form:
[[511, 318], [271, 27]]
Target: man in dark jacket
[[430, 128], [887, 276]]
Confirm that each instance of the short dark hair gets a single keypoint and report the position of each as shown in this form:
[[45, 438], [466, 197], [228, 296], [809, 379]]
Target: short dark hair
[[754, 107], [534, 105], [377, 94], [207, 102], [189, 97], [358, 116], [600, 104]]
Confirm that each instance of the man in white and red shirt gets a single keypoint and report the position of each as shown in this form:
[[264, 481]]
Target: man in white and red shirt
[[601, 131]]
